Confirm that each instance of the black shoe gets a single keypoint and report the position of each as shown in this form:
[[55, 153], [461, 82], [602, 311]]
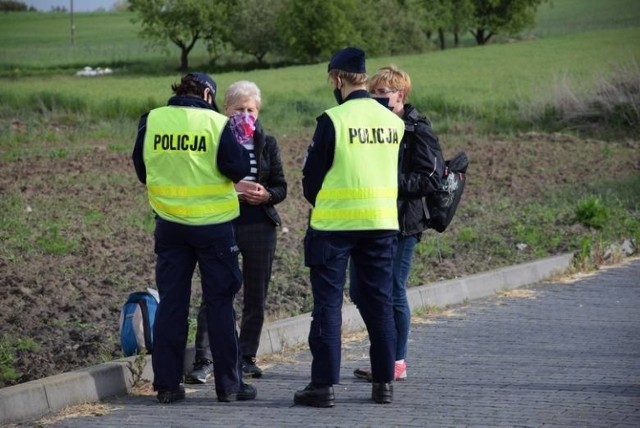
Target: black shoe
[[363, 374], [167, 396], [382, 392], [315, 396], [247, 392], [202, 371], [249, 368]]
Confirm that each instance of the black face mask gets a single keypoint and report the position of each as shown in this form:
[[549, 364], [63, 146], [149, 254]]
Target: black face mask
[[338, 95], [384, 101]]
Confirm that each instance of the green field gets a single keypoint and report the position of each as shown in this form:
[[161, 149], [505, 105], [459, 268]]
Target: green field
[[481, 82], [573, 16], [36, 42], [582, 41]]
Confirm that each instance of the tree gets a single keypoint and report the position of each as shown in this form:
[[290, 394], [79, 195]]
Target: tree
[[438, 18], [461, 18], [313, 29], [181, 22], [14, 6], [218, 28], [493, 17], [254, 24], [410, 35], [390, 27]]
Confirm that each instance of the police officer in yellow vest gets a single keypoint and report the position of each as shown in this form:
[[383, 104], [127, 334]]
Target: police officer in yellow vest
[[350, 176], [188, 157]]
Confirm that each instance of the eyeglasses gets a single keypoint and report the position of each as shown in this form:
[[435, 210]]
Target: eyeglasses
[[384, 91]]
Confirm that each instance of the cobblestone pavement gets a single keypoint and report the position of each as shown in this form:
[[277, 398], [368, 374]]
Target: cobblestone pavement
[[550, 355]]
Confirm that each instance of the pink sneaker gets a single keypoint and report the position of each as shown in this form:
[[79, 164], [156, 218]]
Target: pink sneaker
[[400, 372]]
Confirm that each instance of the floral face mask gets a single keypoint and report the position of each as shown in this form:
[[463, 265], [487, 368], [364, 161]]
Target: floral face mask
[[243, 126]]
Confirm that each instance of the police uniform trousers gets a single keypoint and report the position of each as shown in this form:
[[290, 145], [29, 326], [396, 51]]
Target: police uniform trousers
[[178, 249], [327, 256]]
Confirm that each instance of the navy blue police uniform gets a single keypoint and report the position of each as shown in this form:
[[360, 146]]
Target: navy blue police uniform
[[179, 247], [353, 217]]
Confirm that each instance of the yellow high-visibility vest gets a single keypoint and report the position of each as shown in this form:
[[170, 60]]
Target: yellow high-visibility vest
[[360, 190], [184, 184]]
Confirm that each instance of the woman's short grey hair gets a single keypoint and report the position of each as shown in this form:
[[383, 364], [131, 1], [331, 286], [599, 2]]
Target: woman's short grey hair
[[240, 90]]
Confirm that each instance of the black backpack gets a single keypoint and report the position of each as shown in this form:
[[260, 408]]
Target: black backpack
[[442, 204]]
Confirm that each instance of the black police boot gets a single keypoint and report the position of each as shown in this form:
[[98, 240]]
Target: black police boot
[[166, 396], [382, 392], [247, 392], [315, 396]]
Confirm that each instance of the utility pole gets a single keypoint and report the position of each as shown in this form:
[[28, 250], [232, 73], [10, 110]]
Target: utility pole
[[73, 25]]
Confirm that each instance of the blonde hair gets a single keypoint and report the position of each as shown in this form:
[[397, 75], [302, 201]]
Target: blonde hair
[[392, 77], [352, 78], [240, 90]]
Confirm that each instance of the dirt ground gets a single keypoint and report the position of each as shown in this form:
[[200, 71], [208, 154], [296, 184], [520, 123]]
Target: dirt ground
[[77, 238]]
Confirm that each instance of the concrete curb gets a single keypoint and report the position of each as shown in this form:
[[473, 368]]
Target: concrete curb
[[38, 398], [292, 331]]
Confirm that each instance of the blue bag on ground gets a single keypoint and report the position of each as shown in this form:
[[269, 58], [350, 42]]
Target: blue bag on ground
[[137, 317]]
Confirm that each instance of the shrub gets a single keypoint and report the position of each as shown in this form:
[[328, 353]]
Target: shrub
[[613, 105], [8, 349], [592, 212], [616, 102]]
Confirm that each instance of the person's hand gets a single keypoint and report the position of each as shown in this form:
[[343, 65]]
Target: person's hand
[[251, 192], [256, 195]]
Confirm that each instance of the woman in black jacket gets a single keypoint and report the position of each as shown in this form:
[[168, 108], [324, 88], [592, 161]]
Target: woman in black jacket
[[420, 169], [259, 192]]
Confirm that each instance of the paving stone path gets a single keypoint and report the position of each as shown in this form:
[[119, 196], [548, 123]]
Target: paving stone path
[[550, 355]]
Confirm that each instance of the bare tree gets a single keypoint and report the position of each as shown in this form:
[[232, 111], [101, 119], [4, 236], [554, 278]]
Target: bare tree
[[181, 22]]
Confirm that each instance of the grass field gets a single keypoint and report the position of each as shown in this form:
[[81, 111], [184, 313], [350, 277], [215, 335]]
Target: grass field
[[483, 83], [101, 39], [573, 16], [592, 39], [111, 39], [75, 226]]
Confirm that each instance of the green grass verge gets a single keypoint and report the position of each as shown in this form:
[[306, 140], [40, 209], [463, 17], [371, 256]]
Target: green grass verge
[[483, 86]]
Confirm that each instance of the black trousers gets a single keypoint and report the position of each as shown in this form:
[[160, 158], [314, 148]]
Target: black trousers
[[257, 243], [327, 255], [214, 249]]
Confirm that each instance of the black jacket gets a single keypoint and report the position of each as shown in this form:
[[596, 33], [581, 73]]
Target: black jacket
[[421, 167], [270, 171]]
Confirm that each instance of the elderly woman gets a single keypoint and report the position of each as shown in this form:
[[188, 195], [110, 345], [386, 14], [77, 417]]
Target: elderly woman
[[258, 192]]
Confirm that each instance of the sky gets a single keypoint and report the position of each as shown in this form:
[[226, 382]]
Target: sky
[[78, 5]]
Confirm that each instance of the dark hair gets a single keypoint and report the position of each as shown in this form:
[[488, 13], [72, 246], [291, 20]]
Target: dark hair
[[189, 85]]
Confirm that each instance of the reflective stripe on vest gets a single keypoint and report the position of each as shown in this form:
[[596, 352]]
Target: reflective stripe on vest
[[183, 182], [360, 190]]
